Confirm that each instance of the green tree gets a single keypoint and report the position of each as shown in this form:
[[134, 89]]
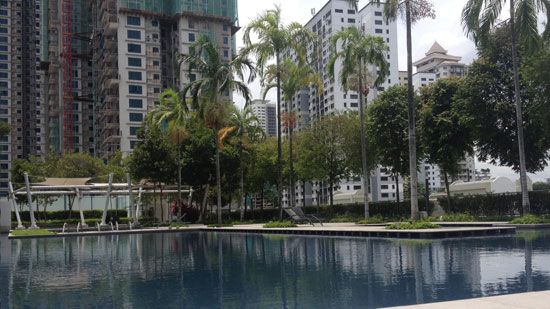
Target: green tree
[[293, 77], [210, 94], [388, 124], [541, 186], [358, 51], [5, 129], [173, 111], [245, 130], [446, 139], [153, 159], [478, 19], [412, 11], [488, 95], [322, 151], [262, 173], [275, 38]]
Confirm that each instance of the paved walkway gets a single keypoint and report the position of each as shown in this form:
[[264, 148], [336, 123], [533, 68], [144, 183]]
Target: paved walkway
[[533, 300]]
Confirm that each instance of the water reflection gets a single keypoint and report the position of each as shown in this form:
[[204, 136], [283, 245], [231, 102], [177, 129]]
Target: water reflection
[[238, 270]]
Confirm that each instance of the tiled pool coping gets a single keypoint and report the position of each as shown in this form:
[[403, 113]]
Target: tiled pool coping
[[329, 229]]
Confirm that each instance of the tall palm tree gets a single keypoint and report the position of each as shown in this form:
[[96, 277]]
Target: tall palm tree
[[478, 18], [174, 112], [293, 77], [413, 10], [245, 129], [359, 50], [211, 93], [274, 38]]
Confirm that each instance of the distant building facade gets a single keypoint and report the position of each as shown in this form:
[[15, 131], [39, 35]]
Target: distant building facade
[[266, 112]]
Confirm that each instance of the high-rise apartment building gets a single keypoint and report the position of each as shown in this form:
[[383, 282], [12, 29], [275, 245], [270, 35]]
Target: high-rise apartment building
[[22, 83], [136, 48], [266, 112], [333, 17], [437, 64]]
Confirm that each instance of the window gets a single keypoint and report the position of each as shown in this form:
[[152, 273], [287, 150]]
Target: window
[[132, 75], [155, 23], [133, 21], [384, 187], [192, 77], [133, 131], [133, 144], [377, 22], [3, 57], [351, 20], [136, 117], [351, 11], [384, 194], [136, 103], [156, 90], [226, 53], [225, 40], [192, 25], [134, 48], [339, 11], [377, 13], [191, 37], [225, 27], [135, 89], [3, 39], [378, 31], [134, 34], [134, 62], [4, 12]]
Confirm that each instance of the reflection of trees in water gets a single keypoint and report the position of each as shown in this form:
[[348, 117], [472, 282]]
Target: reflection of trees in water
[[214, 269]]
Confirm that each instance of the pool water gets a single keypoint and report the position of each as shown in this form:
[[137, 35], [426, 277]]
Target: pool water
[[202, 269]]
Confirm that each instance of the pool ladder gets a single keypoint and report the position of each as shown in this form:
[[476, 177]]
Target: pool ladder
[[78, 227], [64, 226]]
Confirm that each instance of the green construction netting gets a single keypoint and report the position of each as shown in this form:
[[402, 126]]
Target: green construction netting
[[226, 8]]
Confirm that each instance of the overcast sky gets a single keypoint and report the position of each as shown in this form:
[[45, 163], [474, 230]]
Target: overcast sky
[[445, 29]]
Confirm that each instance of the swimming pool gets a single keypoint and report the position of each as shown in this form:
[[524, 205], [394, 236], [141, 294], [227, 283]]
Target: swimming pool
[[208, 269]]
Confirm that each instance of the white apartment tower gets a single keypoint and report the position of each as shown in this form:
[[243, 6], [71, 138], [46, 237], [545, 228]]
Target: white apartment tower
[[135, 56], [333, 17], [266, 112], [437, 64]]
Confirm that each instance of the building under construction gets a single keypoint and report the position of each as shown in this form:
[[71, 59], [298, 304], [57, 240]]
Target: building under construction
[[80, 75]]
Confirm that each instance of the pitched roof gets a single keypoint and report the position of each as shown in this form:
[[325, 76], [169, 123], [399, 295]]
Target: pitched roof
[[436, 48]]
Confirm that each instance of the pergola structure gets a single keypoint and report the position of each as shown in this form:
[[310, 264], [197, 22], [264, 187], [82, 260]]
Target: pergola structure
[[80, 187]]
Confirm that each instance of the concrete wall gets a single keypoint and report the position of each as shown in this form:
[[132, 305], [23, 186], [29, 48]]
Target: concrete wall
[[5, 217]]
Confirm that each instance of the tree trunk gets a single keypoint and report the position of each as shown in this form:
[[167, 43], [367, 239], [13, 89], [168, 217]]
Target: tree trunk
[[279, 149], [290, 158], [331, 181], [363, 144], [448, 191], [262, 202], [415, 215], [243, 202], [397, 188], [218, 178], [519, 119], [161, 206], [304, 193], [179, 209]]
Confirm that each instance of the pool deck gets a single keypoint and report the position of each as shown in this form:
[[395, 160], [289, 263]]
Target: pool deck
[[531, 300]]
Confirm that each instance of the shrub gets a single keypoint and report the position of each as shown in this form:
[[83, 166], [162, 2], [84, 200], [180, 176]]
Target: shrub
[[178, 225], [454, 218], [220, 225], [417, 225], [279, 224], [530, 219], [373, 220], [32, 233], [344, 220], [191, 213], [64, 214], [498, 205]]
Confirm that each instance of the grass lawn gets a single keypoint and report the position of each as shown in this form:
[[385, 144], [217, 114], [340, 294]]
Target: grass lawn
[[31, 233]]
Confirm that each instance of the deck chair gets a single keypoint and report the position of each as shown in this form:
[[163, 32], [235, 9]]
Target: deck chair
[[297, 215]]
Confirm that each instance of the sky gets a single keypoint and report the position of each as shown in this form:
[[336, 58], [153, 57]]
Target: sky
[[445, 29]]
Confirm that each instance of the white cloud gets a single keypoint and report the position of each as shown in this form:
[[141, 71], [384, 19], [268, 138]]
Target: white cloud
[[445, 28]]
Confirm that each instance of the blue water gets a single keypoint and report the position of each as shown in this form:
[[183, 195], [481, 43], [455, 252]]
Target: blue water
[[200, 269]]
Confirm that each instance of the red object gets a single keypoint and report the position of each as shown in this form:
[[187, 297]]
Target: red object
[[67, 38], [366, 92]]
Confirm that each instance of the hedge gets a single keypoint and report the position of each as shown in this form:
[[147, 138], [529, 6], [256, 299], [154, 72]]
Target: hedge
[[498, 204], [387, 209], [64, 214]]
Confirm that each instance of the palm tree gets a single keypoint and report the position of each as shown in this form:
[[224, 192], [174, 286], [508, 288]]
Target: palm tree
[[245, 129], [293, 77], [478, 18], [275, 38], [413, 11], [210, 94], [174, 112], [357, 51]]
